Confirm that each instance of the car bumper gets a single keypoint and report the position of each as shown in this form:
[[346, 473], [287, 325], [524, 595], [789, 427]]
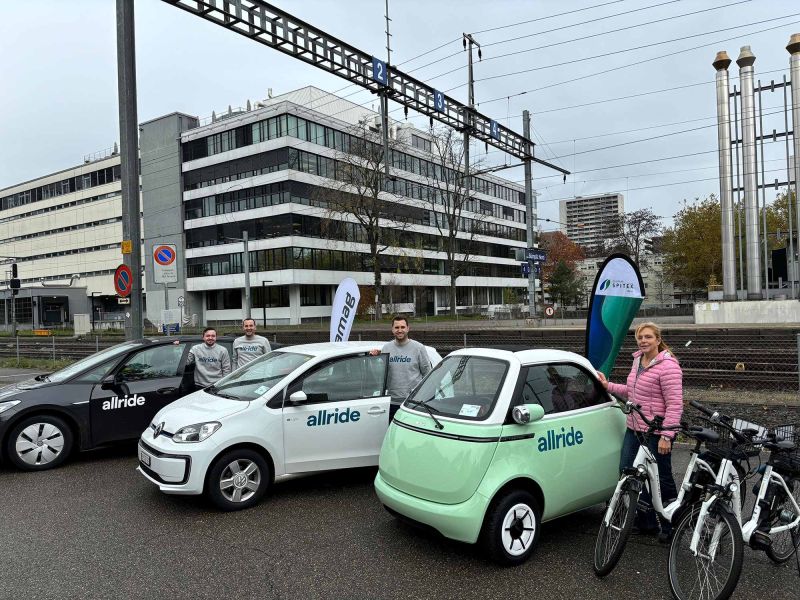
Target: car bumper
[[175, 469], [460, 522]]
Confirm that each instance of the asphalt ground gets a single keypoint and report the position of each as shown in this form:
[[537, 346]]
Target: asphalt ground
[[97, 529]]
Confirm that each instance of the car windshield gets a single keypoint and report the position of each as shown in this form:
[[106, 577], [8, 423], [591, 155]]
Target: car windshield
[[259, 376], [91, 361], [465, 387]]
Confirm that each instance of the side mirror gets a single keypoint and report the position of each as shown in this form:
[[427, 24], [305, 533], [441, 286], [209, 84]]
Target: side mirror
[[527, 413], [110, 381], [298, 397]]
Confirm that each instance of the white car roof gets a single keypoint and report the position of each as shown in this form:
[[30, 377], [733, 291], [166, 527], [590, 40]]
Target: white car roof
[[528, 357], [329, 349]]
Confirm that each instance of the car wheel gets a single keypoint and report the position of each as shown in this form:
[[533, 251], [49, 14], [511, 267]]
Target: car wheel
[[511, 529], [39, 443], [238, 479]]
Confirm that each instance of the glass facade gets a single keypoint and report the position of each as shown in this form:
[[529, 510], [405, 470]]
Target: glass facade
[[59, 188]]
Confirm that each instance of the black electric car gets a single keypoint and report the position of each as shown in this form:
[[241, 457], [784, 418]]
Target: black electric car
[[107, 397]]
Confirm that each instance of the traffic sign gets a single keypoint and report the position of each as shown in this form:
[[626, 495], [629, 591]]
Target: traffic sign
[[165, 264], [526, 268], [123, 281], [180, 300], [122, 301], [549, 311], [439, 102], [536, 254], [494, 129]]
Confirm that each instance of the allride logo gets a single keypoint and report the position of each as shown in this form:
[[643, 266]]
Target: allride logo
[[325, 417], [124, 402]]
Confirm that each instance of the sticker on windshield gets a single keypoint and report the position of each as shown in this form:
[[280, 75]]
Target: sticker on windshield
[[469, 410], [260, 390]]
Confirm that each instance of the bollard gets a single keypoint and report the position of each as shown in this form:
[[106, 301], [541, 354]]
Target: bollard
[[359, 336]]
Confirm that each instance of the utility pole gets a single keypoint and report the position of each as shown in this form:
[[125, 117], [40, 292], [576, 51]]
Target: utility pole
[[129, 161], [247, 314], [385, 103], [530, 209], [468, 42]]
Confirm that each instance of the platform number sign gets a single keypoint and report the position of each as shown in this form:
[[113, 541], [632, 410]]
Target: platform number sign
[[123, 281], [165, 265], [379, 71], [494, 129], [439, 103]]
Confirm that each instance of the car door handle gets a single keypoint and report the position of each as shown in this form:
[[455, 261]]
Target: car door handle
[[376, 410], [166, 390]]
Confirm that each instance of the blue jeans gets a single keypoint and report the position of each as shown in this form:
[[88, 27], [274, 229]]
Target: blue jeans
[[646, 517]]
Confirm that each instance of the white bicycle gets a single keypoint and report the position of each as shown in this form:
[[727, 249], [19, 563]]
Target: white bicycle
[[706, 553], [618, 519]]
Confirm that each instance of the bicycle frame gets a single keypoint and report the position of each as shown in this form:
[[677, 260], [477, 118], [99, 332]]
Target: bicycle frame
[[647, 468], [725, 477], [769, 477]]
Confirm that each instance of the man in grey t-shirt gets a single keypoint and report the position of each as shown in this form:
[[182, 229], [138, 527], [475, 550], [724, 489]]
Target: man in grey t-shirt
[[211, 360], [250, 346], [408, 362]]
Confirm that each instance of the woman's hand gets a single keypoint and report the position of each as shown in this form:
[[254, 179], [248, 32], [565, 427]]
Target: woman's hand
[[602, 379], [664, 445]]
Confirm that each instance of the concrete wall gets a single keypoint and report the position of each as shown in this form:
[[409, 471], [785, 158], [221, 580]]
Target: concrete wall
[[162, 208], [756, 312]]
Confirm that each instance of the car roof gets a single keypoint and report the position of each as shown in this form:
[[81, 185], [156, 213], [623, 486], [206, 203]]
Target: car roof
[[528, 357], [333, 348]]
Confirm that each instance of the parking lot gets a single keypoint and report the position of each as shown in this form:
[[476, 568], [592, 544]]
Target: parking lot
[[96, 529]]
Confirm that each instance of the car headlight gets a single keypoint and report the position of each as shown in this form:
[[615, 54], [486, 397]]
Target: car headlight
[[195, 433], [4, 406]]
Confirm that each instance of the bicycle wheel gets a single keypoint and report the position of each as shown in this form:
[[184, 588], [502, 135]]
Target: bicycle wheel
[[713, 573], [783, 512], [611, 538]]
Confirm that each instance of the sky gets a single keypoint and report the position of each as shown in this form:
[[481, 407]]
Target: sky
[[621, 92]]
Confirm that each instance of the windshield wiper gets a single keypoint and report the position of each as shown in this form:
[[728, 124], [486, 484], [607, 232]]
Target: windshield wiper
[[214, 390], [428, 409], [42, 377]]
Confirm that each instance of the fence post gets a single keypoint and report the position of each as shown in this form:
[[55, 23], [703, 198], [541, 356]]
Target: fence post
[[96, 344], [359, 336], [465, 340], [54, 351], [17, 350], [274, 338], [798, 360]]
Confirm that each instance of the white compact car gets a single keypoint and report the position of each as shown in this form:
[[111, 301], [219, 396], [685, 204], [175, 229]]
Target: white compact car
[[302, 408]]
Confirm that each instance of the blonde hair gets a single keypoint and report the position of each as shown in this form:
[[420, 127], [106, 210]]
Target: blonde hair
[[657, 331]]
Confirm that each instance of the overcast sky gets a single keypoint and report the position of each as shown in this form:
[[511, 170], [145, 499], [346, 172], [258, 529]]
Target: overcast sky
[[59, 82]]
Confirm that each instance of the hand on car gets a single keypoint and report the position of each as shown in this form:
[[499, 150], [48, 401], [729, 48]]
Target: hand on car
[[602, 379], [374, 352]]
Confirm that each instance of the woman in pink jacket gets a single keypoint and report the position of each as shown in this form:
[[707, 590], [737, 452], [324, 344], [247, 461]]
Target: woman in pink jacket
[[655, 382]]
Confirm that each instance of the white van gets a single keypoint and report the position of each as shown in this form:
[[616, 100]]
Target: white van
[[302, 408]]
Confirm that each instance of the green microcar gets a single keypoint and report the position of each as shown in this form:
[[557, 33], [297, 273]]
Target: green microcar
[[492, 443]]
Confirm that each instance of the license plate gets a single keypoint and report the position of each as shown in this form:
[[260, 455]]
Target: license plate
[[144, 458]]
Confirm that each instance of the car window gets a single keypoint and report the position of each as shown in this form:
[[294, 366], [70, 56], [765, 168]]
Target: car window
[[153, 363], [346, 379], [256, 378], [465, 387], [96, 375], [91, 361], [560, 387]]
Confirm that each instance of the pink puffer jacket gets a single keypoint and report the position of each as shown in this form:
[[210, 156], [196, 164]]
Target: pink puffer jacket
[[658, 388]]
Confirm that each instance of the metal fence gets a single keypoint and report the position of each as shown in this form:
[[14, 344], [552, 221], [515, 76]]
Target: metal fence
[[727, 364]]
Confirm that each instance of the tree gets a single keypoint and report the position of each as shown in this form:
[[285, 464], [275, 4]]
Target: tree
[[559, 248], [361, 196], [693, 245], [632, 230], [450, 199], [564, 285]]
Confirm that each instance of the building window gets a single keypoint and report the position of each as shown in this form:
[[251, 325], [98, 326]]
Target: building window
[[224, 299], [420, 143]]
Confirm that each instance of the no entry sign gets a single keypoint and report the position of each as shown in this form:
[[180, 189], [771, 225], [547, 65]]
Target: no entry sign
[[123, 281], [165, 264]]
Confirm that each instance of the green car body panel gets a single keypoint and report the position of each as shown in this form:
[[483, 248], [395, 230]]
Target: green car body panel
[[447, 478]]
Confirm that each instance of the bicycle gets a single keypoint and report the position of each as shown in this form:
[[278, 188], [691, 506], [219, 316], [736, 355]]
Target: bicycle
[[615, 529], [706, 553]]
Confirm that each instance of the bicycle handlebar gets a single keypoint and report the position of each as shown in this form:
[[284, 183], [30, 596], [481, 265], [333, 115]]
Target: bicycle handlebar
[[655, 424], [725, 421]]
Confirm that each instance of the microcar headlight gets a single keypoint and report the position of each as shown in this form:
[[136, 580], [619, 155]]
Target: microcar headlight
[[195, 433], [4, 406]]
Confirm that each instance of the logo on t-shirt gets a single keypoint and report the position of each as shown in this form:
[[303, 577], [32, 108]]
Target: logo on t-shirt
[[399, 359]]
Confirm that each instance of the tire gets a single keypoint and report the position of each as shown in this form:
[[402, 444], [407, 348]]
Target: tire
[[512, 527], [39, 443], [612, 538], [785, 543], [238, 479], [700, 577]]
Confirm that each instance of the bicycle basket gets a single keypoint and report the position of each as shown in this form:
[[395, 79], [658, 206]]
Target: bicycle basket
[[727, 446], [787, 462]]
